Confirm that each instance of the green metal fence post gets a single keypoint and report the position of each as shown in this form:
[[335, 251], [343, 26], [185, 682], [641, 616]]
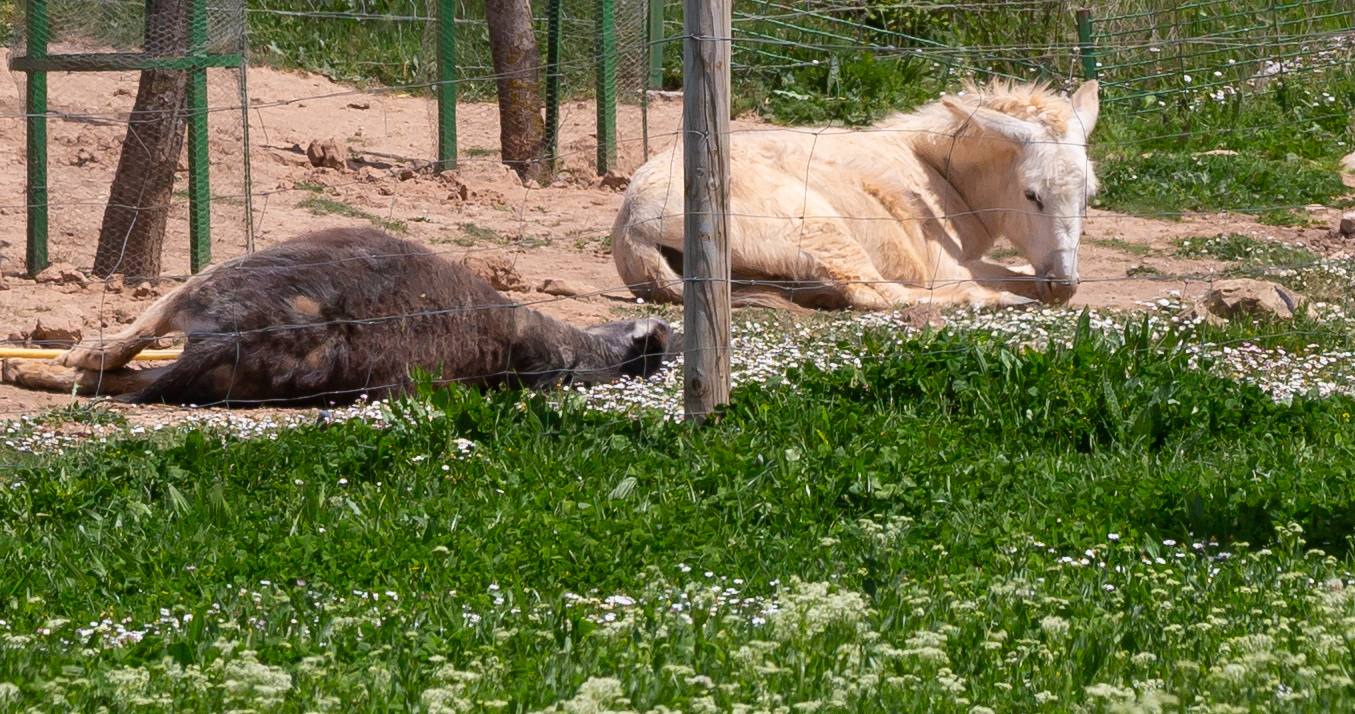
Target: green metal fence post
[[654, 43], [1086, 46], [553, 39], [36, 109], [446, 85], [199, 182], [606, 84]]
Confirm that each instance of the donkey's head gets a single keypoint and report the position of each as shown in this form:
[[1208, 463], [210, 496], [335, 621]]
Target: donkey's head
[[635, 348], [1037, 196]]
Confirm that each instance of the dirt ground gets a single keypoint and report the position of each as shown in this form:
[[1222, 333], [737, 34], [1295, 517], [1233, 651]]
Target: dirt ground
[[557, 231]]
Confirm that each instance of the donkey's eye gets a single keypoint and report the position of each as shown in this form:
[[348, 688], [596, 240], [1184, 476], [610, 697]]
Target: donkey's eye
[[1035, 199]]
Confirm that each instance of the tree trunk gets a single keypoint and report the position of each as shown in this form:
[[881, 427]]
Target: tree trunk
[[133, 230], [512, 43]]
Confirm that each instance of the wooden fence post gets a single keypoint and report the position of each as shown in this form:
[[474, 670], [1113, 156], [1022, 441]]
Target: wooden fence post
[[554, 39], [705, 254]]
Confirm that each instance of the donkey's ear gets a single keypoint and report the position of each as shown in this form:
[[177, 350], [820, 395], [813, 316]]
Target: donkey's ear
[[1014, 128], [1087, 105]]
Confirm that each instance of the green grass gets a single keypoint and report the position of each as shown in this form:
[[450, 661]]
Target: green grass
[[1168, 184], [90, 413], [321, 206], [1240, 248], [1122, 245], [1288, 139], [475, 234], [953, 524], [9, 16]]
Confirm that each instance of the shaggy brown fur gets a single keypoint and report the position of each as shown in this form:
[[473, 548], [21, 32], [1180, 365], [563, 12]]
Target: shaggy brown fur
[[338, 313]]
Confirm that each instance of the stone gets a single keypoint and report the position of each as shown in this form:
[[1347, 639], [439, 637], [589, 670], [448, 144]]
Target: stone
[[566, 288], [46, 335], [359, 105], [1348, 163], [329, 154], [497, 269], [458, 188], [114, 284], [1347, 227], [1227, 299], [61, 274], [614, 181], [145, 290]]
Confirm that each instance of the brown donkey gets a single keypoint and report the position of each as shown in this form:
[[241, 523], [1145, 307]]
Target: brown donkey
[[338, 313]]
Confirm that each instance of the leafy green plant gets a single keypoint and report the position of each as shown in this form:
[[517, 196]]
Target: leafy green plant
[[849, 89], [944, 509]]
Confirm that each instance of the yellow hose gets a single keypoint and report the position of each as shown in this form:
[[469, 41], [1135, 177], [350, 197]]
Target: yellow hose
[[33, 353]]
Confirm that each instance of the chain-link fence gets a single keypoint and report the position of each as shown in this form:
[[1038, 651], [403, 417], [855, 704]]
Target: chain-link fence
[[161, 152], [592, 59], [1186, 55], [587, 52]]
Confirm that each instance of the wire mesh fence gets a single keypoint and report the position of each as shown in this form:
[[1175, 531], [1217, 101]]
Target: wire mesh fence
[[154, 129], [1195, 52], [819, 64]]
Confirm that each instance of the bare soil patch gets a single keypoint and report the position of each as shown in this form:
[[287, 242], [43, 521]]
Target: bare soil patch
[[556, 232]]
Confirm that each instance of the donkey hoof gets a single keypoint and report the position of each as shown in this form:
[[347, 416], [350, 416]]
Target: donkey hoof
[[83, 357]]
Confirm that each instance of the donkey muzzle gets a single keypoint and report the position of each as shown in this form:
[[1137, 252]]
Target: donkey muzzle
[[1056, 290]]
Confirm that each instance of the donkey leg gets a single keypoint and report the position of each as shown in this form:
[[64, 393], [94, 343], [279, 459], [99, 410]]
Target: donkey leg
[[824, 253], [114, 351], [980, 285], [49, 376], [835, 257], [1020, 280]]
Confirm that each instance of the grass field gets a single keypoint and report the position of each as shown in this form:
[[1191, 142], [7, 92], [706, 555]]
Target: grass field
[[1026, 512], [943, 522]]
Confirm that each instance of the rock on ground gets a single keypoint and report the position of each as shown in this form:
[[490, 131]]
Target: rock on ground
[[614, 181], [1244, 296], [497, 269], [45, 335], [61, 274], [327, 154], [566, 288]]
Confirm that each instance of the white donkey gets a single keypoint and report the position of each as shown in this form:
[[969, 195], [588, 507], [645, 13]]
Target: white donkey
[[900, 212]]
